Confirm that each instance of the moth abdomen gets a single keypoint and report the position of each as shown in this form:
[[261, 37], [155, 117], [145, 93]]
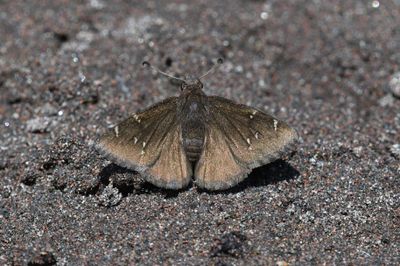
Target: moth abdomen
[[193, 148]]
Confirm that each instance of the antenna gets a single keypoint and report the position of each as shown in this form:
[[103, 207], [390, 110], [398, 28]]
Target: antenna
[[220, 61], [147, 64]]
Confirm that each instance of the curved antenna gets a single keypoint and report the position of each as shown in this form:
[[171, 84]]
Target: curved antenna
[[220, 61], [147, 64]]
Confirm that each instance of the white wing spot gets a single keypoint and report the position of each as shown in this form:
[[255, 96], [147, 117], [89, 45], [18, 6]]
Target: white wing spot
[[116, 130], [257, 135], [135, 140], [249, 142], [254, 112], [136, 117], [275, 124], [142, 152], [251, 116], [144, 144]]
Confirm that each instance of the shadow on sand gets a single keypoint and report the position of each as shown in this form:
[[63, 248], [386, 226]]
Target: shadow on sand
[[271, 173]]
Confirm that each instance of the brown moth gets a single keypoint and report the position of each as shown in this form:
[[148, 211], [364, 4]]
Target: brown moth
[[210, 138]]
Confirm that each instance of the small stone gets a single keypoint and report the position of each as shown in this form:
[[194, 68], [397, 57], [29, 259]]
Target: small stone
[[96, 4], [395, 150], [386, 100], [229, 244], [3, 163], [38, 125], [239, 69], [264, 15], [282, 263], [46, 109], [110, 196], [358, 151], [313, 160], [375, 4], [43, 258], [394, 85], [4, 213], [30, 179]]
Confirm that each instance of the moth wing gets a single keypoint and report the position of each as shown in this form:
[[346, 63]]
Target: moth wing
[[150, 142], [238, 139], [217, 167]]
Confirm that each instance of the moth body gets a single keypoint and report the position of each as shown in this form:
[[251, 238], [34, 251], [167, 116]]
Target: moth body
[[193, 113]]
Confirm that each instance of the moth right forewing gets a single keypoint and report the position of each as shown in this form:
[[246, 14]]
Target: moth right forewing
[[172, 169], [150, 143]]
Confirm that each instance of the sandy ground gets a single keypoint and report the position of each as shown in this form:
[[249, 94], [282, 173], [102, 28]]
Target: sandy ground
[[71, 69]]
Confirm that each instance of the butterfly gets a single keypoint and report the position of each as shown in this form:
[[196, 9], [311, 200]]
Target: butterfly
[[210, 138]]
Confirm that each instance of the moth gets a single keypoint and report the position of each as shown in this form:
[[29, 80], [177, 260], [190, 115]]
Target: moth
[[210, 138]]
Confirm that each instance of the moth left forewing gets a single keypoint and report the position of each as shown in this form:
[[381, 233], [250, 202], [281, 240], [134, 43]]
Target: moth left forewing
[[256, 137], [238, 138]]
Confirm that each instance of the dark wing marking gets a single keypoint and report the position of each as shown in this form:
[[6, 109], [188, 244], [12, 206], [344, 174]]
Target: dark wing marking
[[150, 142], [238, 139]]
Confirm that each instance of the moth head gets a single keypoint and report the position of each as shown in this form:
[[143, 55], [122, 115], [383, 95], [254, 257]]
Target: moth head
[[190, 87], [187, 85]]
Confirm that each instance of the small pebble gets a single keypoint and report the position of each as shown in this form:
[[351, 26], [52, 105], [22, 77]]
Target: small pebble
[[395, 149], [394, 84], [38, 125], [46, 109], [43, 258], [358, 151], [386, 100], [110, 196]]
